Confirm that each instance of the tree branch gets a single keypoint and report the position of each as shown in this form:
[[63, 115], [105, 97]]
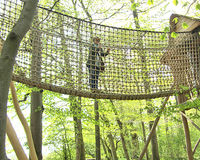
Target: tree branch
[[86, 11], [113, 14], [49, 12], [190, 6]]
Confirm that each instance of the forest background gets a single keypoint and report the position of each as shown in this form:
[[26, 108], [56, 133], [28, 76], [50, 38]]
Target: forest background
[[69, 123]]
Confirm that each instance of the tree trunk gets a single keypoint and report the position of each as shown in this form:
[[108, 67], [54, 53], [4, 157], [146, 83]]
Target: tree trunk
[[75, 105], [154, 142], [7, 60], [145, 140], [76, 109], [181, 99], [36, 121], [108, 157], [97, 131], [121, 131], [112, 145], [36, 96]]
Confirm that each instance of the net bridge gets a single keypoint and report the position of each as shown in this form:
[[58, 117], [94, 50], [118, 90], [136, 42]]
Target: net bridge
[[72, 56]]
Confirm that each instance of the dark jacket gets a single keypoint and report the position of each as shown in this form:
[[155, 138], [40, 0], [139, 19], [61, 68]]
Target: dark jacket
[[95, 57]]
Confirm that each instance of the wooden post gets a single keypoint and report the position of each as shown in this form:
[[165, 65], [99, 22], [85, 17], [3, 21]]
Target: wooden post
[[15, 141], [196, 126], [181, 99], [194, 150], [33, 154]]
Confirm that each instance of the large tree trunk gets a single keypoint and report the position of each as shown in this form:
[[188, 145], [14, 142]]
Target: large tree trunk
[[7, 60]]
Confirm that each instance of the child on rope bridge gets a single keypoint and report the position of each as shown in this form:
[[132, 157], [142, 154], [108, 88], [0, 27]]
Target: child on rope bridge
[[95, 62]]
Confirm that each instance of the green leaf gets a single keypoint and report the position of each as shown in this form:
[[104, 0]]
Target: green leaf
[[166, 29], [198, 6], [163, 36], [175, 20], [175, 2], [133, 6], [185, 25], [35, 89], [150, 2], [185, 4], [173, 34]]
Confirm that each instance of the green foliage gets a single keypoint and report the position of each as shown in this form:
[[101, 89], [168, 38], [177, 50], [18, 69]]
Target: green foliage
[[175, 2], [175, 20], [134, 6], [174, 34], [35, 89], [185, 25], [150, 2], [198, 6], [164, 35]]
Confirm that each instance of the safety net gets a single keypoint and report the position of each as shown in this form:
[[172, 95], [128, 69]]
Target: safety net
[[60, 53]]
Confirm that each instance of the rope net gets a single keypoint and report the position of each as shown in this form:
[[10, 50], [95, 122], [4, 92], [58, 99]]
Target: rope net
[[58, 54]]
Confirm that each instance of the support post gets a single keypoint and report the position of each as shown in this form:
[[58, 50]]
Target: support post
[[196, 126], [194, 150], [33, 154], [12, 136], [181, 99]]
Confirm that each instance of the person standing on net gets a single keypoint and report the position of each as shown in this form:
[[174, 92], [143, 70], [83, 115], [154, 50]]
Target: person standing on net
[[95, 62]]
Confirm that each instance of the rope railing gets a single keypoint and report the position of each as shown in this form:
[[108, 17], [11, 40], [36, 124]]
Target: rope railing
[[59, 54]]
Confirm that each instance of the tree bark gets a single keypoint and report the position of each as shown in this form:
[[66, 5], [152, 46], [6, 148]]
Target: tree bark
[[76, 109], [108, 157], [75, 105], [7, 60], [181, 99], [145, 140], [154, 143], [36, 121], [97, 131]]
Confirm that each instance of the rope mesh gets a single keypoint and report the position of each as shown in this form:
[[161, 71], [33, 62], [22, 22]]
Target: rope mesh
[[140, 65]]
